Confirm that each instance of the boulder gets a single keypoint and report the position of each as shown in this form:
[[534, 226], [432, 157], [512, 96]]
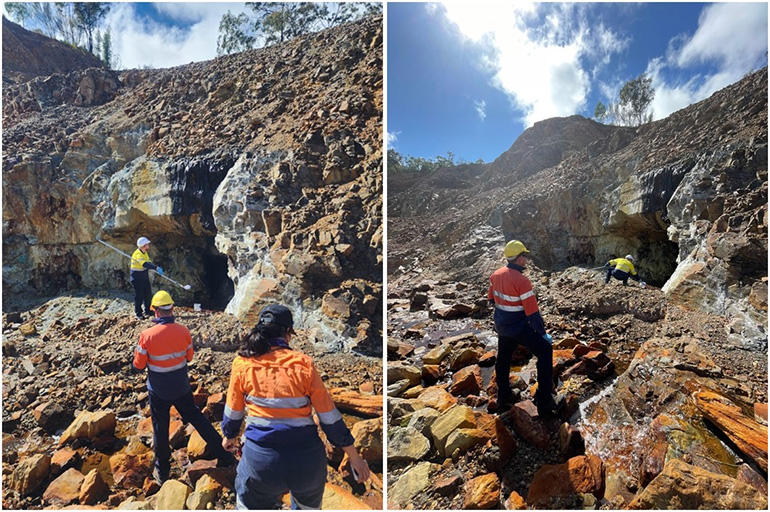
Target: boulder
[[206, 492], [760, 413], [437, 398], [528, 424], [437, 354], [129, 471], [495, 429], [89, 425], [407, 444], [423, 419], [463, 439], [458, 416], [682, 486], [414, 481], [172, 495], [464, 357], [448, 486], [515, 502], [346, 400], [30, 473], [399, 371], [431, 373], [482, 492], [368, 439], [581, 474], [94, 489], [467, 381], [338, 498], [133, 504], [197, 447], [749, 436], [49, 415], [200, 468], [65, 489], [63, 458]]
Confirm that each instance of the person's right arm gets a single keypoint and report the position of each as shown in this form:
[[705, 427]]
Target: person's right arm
[[140, 354]]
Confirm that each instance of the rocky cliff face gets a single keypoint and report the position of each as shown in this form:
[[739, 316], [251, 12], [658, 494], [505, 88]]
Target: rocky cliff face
[[686, 195], [257, 176]]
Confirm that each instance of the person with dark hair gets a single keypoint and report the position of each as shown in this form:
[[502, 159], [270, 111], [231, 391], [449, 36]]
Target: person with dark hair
[[273, 388], [165, 349]]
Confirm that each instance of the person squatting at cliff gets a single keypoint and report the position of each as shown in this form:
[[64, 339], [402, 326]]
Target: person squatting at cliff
[[518, 322], [621, 269], [273, 388], [141, 264], [165, 349]]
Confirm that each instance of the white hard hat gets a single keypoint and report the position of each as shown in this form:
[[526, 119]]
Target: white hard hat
[[628, 256], [142, 242]]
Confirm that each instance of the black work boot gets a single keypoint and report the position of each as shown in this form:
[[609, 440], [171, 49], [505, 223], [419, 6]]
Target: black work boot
[[549, 406]]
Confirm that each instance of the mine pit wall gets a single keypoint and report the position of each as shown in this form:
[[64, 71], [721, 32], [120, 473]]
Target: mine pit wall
[[697, 227], [223, 223]]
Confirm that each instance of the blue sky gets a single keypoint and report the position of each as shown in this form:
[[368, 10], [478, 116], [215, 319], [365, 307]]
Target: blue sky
[[469, 77]]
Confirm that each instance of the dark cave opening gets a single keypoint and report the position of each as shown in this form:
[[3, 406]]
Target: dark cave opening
[[657, 261], [218, 287]]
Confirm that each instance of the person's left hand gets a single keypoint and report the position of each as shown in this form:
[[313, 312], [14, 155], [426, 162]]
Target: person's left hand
[[231, 445], [159, 270]]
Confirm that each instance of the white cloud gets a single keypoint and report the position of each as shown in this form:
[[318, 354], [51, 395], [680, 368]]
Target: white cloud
[[392, 139], [481, 108], [730, 37], [536, 53], [731, 34], [143, 42]]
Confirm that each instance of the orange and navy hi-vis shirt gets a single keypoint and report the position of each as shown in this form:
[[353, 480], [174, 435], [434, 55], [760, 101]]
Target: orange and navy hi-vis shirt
[[165, 350], [515, 303], [276, 393]]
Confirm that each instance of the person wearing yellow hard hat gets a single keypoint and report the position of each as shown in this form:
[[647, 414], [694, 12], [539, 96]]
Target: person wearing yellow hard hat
[[164, 350], [621, 269], [518, 322], [141, 264]]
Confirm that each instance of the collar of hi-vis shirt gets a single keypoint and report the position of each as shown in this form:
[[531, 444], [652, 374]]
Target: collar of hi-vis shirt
[[515, 267], [163, 320], [278, 343]]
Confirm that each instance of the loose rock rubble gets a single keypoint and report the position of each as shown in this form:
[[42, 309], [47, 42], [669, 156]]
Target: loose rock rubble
[[76, 426], [631, 366]]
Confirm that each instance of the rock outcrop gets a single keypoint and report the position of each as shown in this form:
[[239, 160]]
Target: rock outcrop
[[686, 195], [258, 177]]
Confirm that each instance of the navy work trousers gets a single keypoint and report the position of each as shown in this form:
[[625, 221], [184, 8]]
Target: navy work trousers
[[539, 347], [160, 411], [617, 274], [265, 473], [142, 295]]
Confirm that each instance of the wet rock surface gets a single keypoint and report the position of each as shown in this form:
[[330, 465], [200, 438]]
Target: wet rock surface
[[105, 458], [630, 364]]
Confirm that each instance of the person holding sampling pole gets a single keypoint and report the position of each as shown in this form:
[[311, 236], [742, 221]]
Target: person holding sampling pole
[[275, 389], [621, 269], [165, 349], [140, 279]]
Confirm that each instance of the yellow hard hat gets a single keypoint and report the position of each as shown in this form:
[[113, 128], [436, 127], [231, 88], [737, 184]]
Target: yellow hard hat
[[514, 248], [162, 300]]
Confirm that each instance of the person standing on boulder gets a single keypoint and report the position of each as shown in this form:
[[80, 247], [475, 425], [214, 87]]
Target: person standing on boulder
[[518, 322], [275, 389], [621, 269], [141, 264], [165, 349]]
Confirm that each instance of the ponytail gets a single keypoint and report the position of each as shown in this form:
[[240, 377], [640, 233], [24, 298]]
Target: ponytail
[[256, 343]]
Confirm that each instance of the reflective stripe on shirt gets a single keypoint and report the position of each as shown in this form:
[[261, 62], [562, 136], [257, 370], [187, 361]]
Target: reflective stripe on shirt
[[280, 403], [234, 415], [166, 357], [509, 308], [329, 417], [166, 369], [292, 422]]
